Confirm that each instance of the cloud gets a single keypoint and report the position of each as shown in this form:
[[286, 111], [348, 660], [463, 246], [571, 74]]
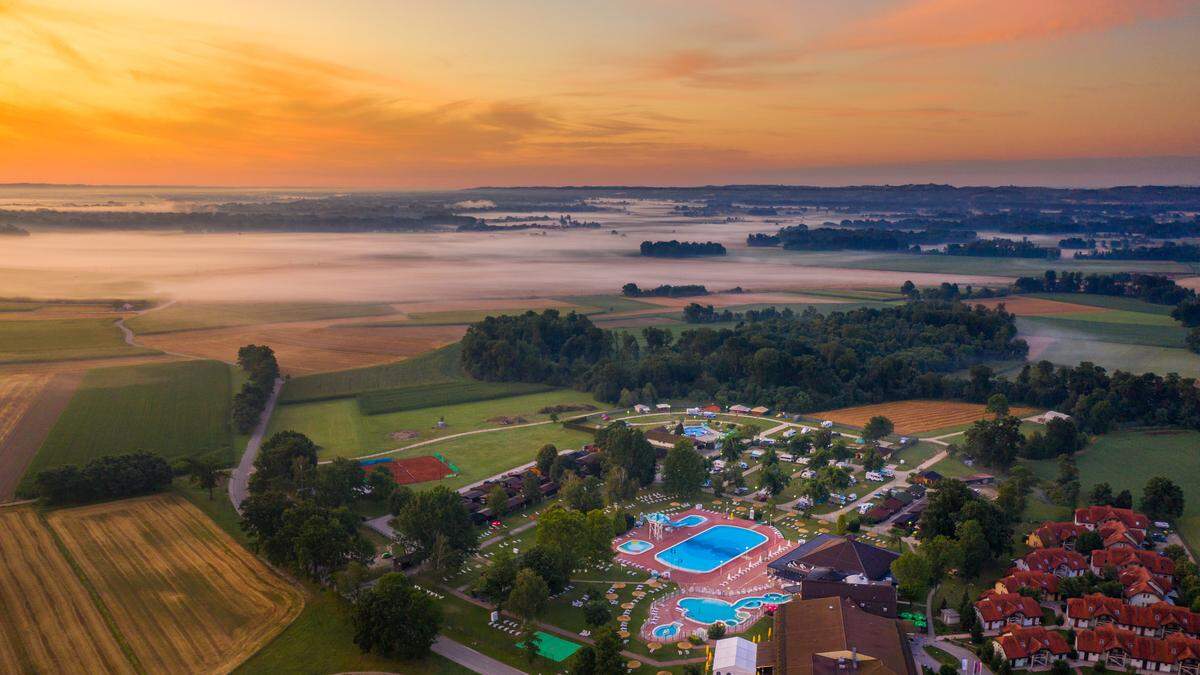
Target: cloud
[[710, 68]]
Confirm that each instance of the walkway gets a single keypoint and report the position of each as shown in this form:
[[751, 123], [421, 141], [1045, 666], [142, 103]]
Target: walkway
[[471, 659], [239, 480]]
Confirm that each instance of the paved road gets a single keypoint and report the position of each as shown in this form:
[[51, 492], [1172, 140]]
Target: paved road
[[239, 480], [469, 658]]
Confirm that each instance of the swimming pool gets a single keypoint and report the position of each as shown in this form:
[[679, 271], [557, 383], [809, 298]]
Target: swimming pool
[[708, 611], [691, 520], [635, 546], [698, 431], [710, 549], [666, 631]]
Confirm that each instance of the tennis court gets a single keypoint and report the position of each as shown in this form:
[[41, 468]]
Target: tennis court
[[553, 647]]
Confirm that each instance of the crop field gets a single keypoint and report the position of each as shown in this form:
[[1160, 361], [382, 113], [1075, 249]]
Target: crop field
[[968, 265], [417, 396], [1127, 459], [440, 365], [61, 340], [184, 595], [914, 417], [1107, 302], [1125, 332], [30, 403], [313, 347], [607, 303], [340, 428], [1027, 305], [18, 311], [176, 410], [194, 316], [50, 624]]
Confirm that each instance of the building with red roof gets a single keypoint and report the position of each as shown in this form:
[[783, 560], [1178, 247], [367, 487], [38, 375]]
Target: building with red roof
[[997, 610], [1030, 647], [1055, 535], [1143, 588], [1057, 561], [1158, 620], [1122, 558], [1043, 582], [1122, 649], [1095, 517]]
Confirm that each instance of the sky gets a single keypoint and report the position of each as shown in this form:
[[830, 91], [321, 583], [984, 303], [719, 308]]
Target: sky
[[459, 93]]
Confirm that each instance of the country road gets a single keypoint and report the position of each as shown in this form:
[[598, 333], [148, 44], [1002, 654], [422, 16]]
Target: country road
[[239, 480]]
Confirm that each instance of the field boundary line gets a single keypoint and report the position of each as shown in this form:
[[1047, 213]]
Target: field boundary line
[[94, 595]]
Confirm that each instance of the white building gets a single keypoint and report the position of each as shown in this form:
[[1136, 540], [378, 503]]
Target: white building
[[739, 409], [735, 656], [663, 407], [641, 408], [1047, 416]]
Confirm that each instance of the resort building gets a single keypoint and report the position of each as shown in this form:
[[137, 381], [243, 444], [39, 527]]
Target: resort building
[[1157, 620], [1057, 561], [735, 656], [1124, 558], [1043, 582], [831, 636], [1055, 535], [997, 610], [1095, 517], [829, 557], [1030, 647], [877, 599], [739, 409], [1123, 649]]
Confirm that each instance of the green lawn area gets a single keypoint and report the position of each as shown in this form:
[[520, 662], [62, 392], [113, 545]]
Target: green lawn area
[[1127, 459], [916, 453], [1069, 342], [952, 467], [439, 365], [341, 429], [417, 396], [481, 456], [63, 340], [194, 316], [176, 410]]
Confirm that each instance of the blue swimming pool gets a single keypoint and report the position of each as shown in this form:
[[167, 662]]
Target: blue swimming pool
[[686, 521], [635, 546], [708, 611], [698, 431], [711, 548], [665, 631]]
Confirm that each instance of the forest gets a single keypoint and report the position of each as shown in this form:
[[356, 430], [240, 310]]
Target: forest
[[681, 249]]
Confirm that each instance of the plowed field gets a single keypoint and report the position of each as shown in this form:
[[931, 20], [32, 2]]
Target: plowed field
[[914, 417]]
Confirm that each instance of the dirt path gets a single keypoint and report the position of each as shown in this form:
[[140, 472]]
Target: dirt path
[[131, 338], [19, 447]]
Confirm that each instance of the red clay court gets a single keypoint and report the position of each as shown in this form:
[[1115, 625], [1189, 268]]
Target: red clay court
[[415, 469]]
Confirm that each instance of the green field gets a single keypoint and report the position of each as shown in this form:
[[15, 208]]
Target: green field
[[176, 410], [439, 365], [481, 456], [63, 340], [1170, 335], [610, 303], [341, 429], [1108, 302], [413, 397], [1070, 342], [1003, 267], [195, 316], [1127, 459]]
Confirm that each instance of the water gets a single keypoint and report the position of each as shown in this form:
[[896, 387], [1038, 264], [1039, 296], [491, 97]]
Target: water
[[665, 631], [708, 611], [635, 546], [697, 431], [687, 521], [711, 549]]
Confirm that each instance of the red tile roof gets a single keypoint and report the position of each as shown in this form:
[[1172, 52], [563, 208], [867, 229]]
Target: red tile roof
[[1171, 649], [1097, 515], [1050, 559], [1121, 558], [999, 606], [1019, 642], [1116, 532], [1138, 579], [1053, 535], [1019, 579], [1153, 617]]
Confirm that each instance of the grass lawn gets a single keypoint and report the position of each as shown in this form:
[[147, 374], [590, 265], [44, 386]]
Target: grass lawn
[[942, 656], [195, 316], [1115, 346], [484, 455], [952, 467], [63, 340], [341, 430], [414, 397], [176, 410], [916, 453], [1127, 459], [439, 365]]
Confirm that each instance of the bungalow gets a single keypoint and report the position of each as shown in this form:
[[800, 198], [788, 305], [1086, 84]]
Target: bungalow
[[1043, 582], [929, 477], [1047, 416], [1122, 649], [1094, 517], [1057, 561], [1117, 535], [694, 412], [1055, 535], [1143, 588], [1030, 647], [1123, 558], [739, 409], [1156, 621], [641, 408], [979, 479], [711, 409], [997, 610], [760, 410], [663, 407]]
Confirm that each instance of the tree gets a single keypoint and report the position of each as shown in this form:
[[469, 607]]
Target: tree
[[442, 557], [1087, 542], [1101, 495], [497, 501], [994, 442], [434, 511], [531, 488], [683, 471], [944, 554], [1066, 485], [395, 619], [718, 486], [773, 478], [872, 461], [350, 580], [912, 572], [381, 482], [583, 662], [529, 595], [877, 427], [204, 473], [399, 498], [974, 547], [997, 404], [716, 631], [1123, 500], [608, 650], [545, 457], [337, 483], [497, 580], [1060, 667], [596, 612], [1162, 499], [627, 447], [618, 486], [530, 641], [581, 494]]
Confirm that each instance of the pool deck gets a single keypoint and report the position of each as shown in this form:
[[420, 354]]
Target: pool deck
[[746, 575]]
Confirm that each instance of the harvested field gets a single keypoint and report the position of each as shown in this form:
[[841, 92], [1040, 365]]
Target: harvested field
[[730, 299], [49, 622], [198, 316], [414, 469], [30, 404], [1027, 306], [311, 347], [186, 597], [914, 417]]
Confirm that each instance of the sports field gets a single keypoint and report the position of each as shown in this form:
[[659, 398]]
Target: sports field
[[49, 623], [184, 596], [177, 410], [914, 417], [63, 340]]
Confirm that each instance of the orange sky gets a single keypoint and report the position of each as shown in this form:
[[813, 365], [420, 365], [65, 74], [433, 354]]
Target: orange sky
[[451, 93]]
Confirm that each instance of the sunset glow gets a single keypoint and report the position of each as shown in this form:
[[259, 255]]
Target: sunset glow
[[374, 93]]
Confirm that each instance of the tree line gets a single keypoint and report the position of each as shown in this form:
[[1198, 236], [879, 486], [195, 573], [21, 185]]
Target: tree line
[[104, 478], [1169, 250], [681, 249], [631, 290], [999, 247], [260, 364]]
